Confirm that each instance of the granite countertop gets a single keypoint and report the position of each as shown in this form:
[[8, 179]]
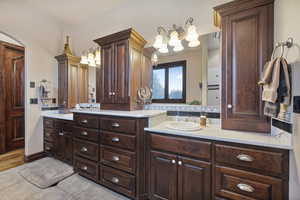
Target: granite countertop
[[214, 132], [134, 114], [55, 114]]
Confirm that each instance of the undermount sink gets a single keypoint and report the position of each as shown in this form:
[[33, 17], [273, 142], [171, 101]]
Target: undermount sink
[[182, 126]]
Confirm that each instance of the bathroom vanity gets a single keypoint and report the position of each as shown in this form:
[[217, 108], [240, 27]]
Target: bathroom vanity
[[135, 154]]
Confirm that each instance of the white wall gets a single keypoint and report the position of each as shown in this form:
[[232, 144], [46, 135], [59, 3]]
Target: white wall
[[42, 40], [286, 25]]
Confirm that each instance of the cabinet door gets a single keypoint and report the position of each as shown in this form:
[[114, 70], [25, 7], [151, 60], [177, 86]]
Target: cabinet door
[[163, 176], [107, 74], [68, 148], [60, 146], [121, 67], [247, 45], [194, 179]]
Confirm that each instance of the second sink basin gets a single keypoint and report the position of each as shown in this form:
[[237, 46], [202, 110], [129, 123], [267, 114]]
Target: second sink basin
[[182, 126]]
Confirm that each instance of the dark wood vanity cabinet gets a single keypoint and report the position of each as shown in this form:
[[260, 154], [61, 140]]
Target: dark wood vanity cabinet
[[225, 171], [111, 151], [247, 43], [123, 70], [58, 139], [177, 177]]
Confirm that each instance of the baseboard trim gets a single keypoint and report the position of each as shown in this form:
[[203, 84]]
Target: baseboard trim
[[34, 157]]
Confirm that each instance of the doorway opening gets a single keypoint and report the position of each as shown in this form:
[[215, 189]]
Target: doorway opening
[[12, 102]]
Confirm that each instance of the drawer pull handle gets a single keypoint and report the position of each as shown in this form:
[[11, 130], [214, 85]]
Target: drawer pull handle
[[48, 134], [84, 168], [61, 134], [246, 158], [115, 139], [173, 161], [115, 180], [115, 158], [48, 148], [115, 125], [179, 162], [84, 133], [84, 149], [84, 121], [245, 187]]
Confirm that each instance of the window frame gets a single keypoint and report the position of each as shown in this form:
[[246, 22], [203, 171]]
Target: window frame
[[167, 66]]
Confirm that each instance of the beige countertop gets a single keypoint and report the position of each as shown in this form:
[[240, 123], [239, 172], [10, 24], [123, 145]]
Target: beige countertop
[[214, 132]]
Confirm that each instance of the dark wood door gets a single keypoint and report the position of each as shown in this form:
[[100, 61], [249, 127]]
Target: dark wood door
[[107, 74], [194, 179], [121, 64], [163, 176], [247, 45], [13, 93]]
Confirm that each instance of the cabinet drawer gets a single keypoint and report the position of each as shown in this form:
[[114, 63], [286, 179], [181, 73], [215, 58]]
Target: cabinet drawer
[[86, 149], [49, 134], [86, 168], [49, 123], [183, 146], [118, 180], [118, 158], [119, 125], [88, 121], [237, 184], [64, 125], [250, 158], [86, 134], [118, 140]]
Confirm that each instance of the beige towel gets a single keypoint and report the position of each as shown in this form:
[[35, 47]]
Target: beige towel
[[271, 80]]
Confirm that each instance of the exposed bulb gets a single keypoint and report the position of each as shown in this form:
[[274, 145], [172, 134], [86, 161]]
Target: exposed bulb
[[174, 40], [84, 60], [154, 59], [164, 48], [178, 47], [92, 63], [158, 42], [194, 43], [192, 34]]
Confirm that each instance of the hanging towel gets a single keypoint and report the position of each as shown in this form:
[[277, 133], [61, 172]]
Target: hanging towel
[[284, 89]]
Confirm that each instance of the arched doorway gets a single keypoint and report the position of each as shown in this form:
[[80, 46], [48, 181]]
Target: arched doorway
[[12, 94]]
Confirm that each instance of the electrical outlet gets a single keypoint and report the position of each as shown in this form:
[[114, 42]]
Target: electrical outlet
[[33, 101], [32, 84]]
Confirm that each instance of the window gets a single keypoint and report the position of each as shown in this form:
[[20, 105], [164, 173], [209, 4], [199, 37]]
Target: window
[[169, 82]]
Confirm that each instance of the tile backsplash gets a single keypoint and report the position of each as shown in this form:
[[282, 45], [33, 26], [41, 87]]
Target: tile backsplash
[[183, 107]]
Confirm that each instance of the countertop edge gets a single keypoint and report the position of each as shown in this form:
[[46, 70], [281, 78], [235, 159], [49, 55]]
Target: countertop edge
[[216, 138]]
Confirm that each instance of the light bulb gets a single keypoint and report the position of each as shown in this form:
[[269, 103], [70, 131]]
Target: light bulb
[[178, 47], [98, 56], [158, 42], [154, 58], [174, 40], [84, 60], [91, 57], [192, 34], [164, 48], [92, 64], [194, 43]]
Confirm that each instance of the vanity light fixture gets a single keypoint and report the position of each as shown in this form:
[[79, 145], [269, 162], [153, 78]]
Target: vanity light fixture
[[92, 57], [174, 37]]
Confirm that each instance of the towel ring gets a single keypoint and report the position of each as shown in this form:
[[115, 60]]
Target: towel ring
[[289, 43]]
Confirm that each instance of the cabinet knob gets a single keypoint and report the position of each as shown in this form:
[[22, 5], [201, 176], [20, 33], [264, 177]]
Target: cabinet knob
[[110, 93], [245, 187], [84, 121], [47, 148], [245, 157], [179, 162], [84, 168], [113, 93], [229, 106], [115, 158], [115, 125], [173, 161], [115, 180], [61, 134], [84, 149], [84, 133], [115, 139]]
